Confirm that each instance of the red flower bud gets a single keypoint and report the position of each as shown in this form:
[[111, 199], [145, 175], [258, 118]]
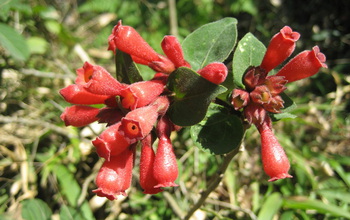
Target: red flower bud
[[164, 127], [79, 115], [77, 94], [305, 64], [165, 168], [163, 65], [147, 180], [239, 99], [255, 114], [280, 48], [173, 50], [214, 72], [138, 123], [274, 159], [142, 93], [115, 175], [98, 81], [162, 103], [126, 39], [110, 142]]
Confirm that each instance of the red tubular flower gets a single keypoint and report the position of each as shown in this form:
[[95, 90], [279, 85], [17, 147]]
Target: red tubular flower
[[79, 115], [274, 159], [77, 94], [138, 123], [147, 180], [305, 64], [165, 168], [126, 39], [142, 93], [214, 72], [173, 50], [115, 175], [98, 81], [110, 143], [280, 48], [162, 103]]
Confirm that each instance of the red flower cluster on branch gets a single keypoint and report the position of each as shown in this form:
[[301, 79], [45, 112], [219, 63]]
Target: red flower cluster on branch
[[133, 112], [261, 95]]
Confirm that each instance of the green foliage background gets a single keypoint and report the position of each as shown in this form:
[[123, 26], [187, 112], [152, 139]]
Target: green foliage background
[[47, 170]]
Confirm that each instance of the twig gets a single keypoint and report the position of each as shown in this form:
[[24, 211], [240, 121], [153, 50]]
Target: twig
[[178, 211], [38, 73], [173, 17], [213, 183]]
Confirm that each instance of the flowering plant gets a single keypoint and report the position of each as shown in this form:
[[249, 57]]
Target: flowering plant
[[198, 85]]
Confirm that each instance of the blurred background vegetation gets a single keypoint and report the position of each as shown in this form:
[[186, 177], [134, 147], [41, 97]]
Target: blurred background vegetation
[[47, 170]]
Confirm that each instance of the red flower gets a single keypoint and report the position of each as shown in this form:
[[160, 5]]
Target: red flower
[[305, 64], [147, 180], [79, 115], [110, 142], [142, 93], [115, 175], [214, 72], [280, 48], [173, 50], [77, 94], [274, 159]]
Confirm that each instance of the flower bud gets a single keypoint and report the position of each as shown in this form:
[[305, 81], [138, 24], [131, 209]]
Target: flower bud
[[162, 65], [280, 48], [142, 93], [77, 94], [274, 159], [214, 72], [147, 180], [165, 168], [110, 142], [303, 65], [255, 114], [173, 50], [79, 115], [115, 175], [253, 77], [138, 123], [126, 39]]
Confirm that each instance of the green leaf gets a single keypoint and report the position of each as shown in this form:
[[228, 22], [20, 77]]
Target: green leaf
[[212, 42], [126, 69], [35, 209], [37, 45], [220, 132], [335, 194], [69, 213], [249, 52], [270, 207], [193, 95], [319, 206], [13, 43], [289, 105]]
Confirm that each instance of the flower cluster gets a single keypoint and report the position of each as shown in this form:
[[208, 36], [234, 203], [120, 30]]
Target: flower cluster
[[134, 113], [261, 95]]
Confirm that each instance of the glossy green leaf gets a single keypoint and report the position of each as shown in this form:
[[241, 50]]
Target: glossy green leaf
[[35, 209], [249, 52], [126, 70], [193, 95], [319, 206], [219, 132], [212, 42], [13, 43], [270, 207]]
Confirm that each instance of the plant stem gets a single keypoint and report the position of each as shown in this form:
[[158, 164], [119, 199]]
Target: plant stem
[[213, 182]]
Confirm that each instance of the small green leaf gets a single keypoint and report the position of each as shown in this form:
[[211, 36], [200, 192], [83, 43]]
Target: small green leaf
[[126, 69], [249, 52], [69, 213], [289, 105], [35, 209], [319, 206], [13, 43], [37, 45], [270, 207], [220, 132], [212, 42], [193, 95]]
